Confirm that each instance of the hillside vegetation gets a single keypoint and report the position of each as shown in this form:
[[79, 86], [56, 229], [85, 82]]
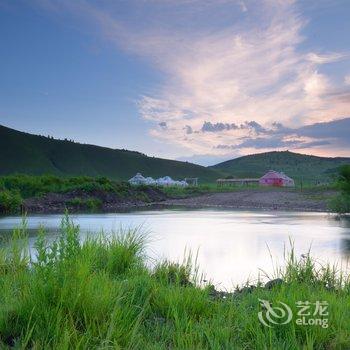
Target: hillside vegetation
[[36, 155], [298, 166]]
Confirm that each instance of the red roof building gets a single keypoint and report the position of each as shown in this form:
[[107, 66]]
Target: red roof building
[[274, 178]]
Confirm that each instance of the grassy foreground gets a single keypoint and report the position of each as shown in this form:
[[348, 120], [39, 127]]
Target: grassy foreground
[[99, 294]]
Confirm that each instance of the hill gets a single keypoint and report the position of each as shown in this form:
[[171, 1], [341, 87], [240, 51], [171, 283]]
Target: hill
[[299, 166], [21, 152]]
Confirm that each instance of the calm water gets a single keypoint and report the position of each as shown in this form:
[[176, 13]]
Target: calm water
[[232, 245]]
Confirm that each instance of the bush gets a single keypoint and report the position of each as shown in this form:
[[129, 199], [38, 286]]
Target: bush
[[341, 204], [89, 203], [33, 186], [344, 179], [10, 201]]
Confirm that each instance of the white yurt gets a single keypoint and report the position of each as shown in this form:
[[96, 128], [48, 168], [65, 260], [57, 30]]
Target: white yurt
[[138, 179], [168, 181], [165, 181], [150, 181]]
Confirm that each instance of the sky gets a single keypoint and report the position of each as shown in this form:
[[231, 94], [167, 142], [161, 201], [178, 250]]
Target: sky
[[196, 80]]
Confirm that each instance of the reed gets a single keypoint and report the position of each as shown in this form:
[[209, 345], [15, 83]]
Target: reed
[[100, 293]]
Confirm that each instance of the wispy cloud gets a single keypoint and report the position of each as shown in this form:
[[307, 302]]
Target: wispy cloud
[[330, 134], [226, 64], [347, 80]]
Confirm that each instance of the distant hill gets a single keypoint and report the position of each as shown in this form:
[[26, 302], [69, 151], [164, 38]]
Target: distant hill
[[32, 154], [299, 166]]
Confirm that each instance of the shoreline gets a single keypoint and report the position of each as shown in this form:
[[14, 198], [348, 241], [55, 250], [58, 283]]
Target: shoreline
[[257, 199], [260, 199]]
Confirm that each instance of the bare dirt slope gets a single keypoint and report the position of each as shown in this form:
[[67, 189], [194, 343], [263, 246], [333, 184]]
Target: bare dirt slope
[[274, 199]]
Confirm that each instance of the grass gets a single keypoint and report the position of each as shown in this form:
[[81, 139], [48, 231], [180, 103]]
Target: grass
[[84, 192], [33, 186], [90, 193], [100, 294], [312, 191], [182, 192]]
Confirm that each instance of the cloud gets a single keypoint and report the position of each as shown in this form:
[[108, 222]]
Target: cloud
[[336, 130], [219, 127], [255, 126], [326, 58], [223, 58], [347, 79], [243, 6], [210, 127], [253, 71], [330, 134], [163, 125], [273, 143], [188, 129]]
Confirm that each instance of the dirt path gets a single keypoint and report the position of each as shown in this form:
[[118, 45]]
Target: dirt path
[[260, 199]]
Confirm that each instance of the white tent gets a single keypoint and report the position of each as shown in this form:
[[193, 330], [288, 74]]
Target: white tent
[[138, 179], [150, 181], [168, 181]]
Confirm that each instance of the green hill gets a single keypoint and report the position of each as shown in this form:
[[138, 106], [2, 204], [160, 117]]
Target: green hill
[[32, 154], [298, 166]]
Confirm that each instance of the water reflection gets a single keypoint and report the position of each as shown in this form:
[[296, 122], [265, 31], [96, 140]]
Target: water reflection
[[233, 245]]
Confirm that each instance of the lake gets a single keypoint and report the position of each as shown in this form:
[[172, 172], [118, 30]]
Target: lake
[[232, 246]]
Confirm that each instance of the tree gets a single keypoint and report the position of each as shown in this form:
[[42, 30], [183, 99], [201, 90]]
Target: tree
[[341, 204]]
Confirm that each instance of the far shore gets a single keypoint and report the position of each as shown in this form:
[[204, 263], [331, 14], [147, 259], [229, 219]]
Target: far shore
[[244, 199], [273, 199]]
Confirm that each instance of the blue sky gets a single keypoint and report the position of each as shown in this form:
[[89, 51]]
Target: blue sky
[[187, 79]]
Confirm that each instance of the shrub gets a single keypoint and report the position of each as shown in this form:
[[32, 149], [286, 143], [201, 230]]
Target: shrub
[[89, 203], [344, 179], [93, 203], [10, 201], [341, 204], [31, 186]]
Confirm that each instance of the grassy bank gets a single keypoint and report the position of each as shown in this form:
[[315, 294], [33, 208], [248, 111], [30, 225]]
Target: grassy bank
[[32, 186], [16, 188], [100, 294], [76, 193], [53, 194], [183, 192]]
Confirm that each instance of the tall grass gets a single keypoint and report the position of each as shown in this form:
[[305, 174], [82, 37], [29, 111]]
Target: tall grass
[[83, 192], [181, 192], [99, 294], [32, 186]]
